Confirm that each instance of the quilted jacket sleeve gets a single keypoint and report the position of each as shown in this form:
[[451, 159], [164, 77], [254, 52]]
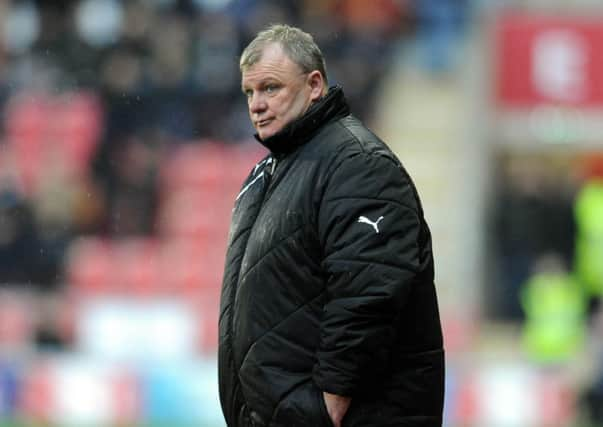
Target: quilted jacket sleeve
[[369, 226]]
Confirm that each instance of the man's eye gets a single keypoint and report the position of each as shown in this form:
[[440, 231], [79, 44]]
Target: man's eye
[[248, 93], [270, 89]]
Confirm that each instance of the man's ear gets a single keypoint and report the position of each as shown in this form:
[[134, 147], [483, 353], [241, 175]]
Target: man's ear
[[317, 85]]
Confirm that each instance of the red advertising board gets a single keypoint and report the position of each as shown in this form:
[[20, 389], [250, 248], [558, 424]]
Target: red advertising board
[[549, 60]]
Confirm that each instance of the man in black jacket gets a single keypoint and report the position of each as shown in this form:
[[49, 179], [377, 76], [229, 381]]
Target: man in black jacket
[[328, 313]]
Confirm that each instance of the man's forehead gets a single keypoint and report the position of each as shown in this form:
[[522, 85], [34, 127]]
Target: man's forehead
[[273, 51], [273, 58]]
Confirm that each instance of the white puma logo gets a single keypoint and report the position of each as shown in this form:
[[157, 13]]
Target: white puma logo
[[374, 224]]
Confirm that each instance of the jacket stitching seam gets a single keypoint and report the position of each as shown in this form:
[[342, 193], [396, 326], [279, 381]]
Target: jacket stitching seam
[[381, 199], [272, 328], [395, 266], [274, 247], [240, 234]]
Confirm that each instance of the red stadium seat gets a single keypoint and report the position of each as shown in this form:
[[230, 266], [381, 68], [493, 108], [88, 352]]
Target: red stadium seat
[[90, 266], [194, 165], [210, 165], [135, 263], [45, 131], [194, 214], [16, 322], [76, 126], [242, 159], [180, 270], [26, 119], [189, 269]]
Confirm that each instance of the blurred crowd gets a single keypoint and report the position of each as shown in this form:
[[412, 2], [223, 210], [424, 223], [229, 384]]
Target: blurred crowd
[[124, 138], [117, 85], [102, 100], [546, 264], [122, 121]]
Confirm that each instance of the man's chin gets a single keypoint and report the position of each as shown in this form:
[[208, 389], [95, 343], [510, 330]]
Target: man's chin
[[266, 133]]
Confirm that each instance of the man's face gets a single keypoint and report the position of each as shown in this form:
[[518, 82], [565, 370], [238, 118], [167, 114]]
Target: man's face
[[277, 91]]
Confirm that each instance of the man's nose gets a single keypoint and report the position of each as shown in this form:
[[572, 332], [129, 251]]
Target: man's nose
[[257, 103]]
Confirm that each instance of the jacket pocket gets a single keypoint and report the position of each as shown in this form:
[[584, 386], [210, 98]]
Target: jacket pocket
[[302, 407], [322, 406]]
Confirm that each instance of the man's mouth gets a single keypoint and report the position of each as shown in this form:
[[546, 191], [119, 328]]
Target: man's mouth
[[261, 123]]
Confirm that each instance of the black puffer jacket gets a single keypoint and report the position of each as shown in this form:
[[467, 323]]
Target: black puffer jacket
[[329, 284]]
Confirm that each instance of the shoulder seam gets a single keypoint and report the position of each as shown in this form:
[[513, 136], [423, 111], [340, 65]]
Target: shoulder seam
[[353, 136]]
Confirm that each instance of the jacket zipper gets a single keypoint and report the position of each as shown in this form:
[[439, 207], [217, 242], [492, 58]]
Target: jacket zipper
[[268, 181], [273, 167]]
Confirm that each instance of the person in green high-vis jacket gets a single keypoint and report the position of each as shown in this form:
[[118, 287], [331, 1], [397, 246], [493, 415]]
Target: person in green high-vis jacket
[[556, 314], [589, 237]]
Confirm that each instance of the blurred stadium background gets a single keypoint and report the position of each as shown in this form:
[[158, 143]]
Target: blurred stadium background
[[124, 138]]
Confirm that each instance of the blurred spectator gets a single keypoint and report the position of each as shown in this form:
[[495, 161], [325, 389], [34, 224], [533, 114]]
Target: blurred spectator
[[171, 94], [361, 79], [531, 217], [50, 327], [555, 328], [216, 74], [137, 23], [378, 16], [440, 25], [252, 15], [19, 255], [53, 207], [589, 237], [3, 58], [126, 170]]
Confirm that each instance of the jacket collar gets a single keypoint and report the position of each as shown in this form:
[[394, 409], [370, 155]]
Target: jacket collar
[[330, 107]]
